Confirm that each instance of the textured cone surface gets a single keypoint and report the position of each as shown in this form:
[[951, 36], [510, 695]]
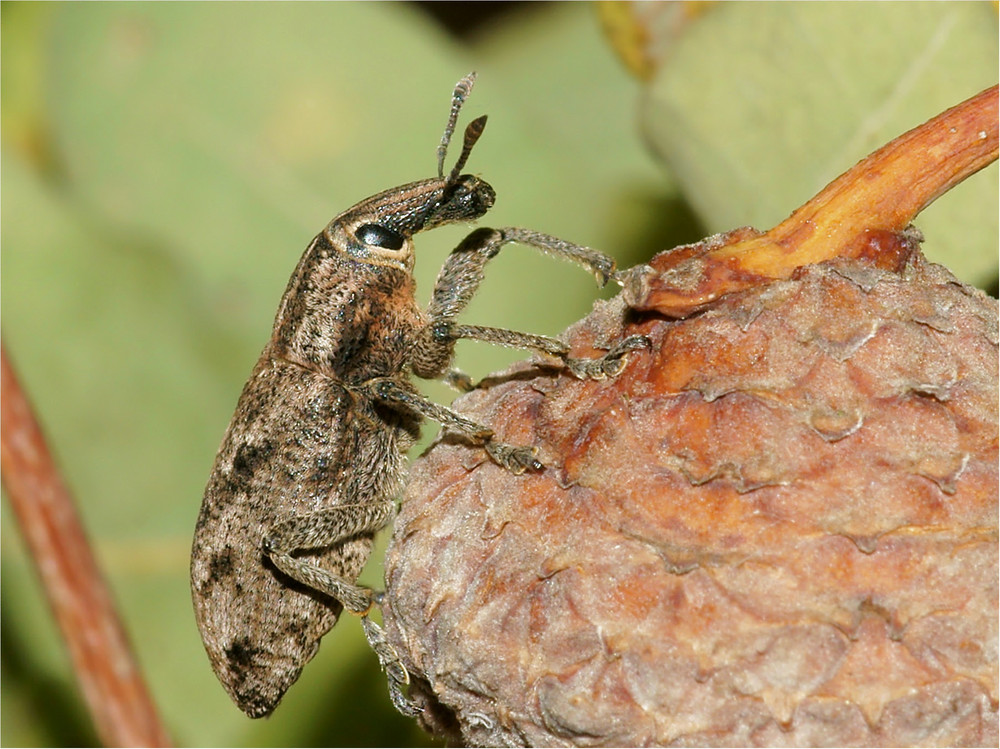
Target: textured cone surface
[[776, 527]]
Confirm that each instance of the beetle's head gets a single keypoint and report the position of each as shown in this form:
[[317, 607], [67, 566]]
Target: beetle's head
[[379, 230]]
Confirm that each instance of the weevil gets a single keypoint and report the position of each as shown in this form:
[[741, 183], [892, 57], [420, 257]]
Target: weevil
[[314, 457]]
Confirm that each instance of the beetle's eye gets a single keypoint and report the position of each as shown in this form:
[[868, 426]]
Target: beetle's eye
[[379, 236]]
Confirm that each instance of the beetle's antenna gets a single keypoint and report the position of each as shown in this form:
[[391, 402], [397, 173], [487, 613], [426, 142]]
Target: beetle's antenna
[[472, 133], [462, 90]]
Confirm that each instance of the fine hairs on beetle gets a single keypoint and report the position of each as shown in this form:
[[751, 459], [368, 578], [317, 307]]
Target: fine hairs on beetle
[[314, 456]]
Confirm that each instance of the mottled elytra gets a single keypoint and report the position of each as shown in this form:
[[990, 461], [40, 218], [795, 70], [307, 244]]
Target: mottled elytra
[[314, 456]]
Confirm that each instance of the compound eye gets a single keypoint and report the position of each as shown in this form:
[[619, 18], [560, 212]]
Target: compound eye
[[375, 235]]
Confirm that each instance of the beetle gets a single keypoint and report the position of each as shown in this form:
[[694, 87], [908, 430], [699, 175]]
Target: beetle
[[314, 456]]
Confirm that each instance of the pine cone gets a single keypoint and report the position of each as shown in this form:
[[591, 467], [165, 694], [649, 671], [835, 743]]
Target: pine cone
[[778, 526]]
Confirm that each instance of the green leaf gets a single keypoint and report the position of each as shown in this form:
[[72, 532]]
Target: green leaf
[[760, 105]]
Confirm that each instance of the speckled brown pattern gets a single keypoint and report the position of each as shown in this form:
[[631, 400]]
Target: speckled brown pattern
[[313, 458]]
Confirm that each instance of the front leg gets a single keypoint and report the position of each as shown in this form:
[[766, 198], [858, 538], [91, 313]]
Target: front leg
[[462, 272], [459, 280]]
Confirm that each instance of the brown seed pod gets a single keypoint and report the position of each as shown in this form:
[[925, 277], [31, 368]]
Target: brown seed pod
[[776, 527]]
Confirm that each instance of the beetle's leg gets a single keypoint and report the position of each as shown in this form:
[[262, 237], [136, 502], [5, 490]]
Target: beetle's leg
[[459, 280], [315, 530], [609, 365], [459, 380], [515, 458], [462, 272], [396, 673], [326, 528]]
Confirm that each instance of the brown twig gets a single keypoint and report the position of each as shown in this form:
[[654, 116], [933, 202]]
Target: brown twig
[[877, 197], [102, 658]]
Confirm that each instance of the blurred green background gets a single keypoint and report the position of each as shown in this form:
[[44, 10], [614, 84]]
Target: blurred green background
[[164, 165]]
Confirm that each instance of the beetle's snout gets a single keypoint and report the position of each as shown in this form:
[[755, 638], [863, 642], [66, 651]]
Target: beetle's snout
[[471, 194], [466, 199]]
